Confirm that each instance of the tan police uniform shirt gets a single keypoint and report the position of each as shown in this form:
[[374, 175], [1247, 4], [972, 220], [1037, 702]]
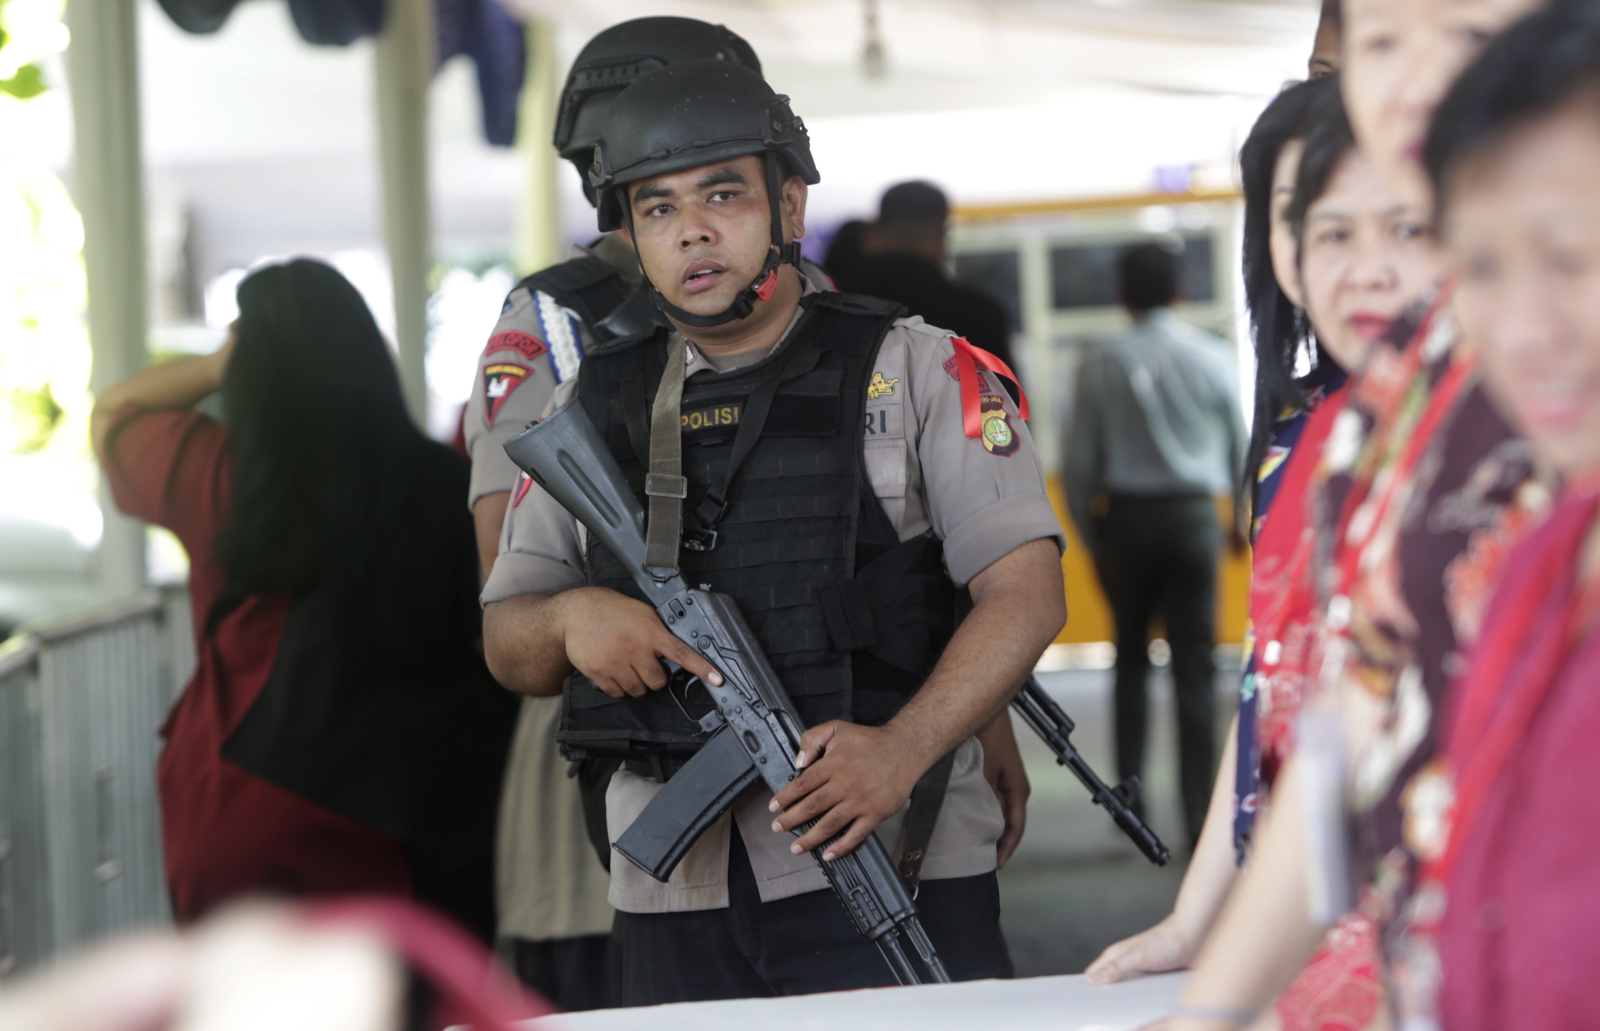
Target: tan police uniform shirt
[[548, 882], [984, 497]]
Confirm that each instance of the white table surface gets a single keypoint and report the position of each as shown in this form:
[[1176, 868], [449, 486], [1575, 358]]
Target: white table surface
[[1067, 1003]]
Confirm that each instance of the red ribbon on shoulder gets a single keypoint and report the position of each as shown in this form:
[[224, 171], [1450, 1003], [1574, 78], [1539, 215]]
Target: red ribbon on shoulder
[[969, 360]]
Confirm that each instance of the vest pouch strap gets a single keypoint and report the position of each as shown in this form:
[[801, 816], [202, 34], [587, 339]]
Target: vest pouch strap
[[847, 610], [912, 605]]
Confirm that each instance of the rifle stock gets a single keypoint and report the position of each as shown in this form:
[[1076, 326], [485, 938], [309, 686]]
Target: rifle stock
[[568, 458]]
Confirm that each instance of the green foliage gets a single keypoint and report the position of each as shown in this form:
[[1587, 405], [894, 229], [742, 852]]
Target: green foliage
[[27, 83], [36, 415]]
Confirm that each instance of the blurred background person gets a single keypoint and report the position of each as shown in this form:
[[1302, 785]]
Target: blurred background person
[[341, 732], [903, 260], [845, 249], [1156, 432], [1513, 154], [357, 964]]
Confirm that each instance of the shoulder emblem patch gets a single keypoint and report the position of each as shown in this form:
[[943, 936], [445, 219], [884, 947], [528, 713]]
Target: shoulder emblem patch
[[998, 437], [880, 387], [950, 368], [530, 347], [499, 380]]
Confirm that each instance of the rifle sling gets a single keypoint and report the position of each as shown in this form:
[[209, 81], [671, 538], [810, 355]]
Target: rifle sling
[[927, 798], [665, 484]]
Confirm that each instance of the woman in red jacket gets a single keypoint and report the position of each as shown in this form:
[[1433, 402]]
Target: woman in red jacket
[[341, 733]]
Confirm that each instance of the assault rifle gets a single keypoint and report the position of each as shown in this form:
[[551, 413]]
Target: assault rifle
[[1052, 723], [753, 731]]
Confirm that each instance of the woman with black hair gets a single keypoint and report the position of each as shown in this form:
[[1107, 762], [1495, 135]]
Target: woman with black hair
[[1356, 258], [340, 733]]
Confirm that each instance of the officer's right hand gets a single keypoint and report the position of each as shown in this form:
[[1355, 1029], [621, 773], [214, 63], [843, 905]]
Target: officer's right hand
[[618, 642]]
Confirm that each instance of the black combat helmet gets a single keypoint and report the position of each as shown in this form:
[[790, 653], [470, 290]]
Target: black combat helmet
[[612, 60], [695, 114]]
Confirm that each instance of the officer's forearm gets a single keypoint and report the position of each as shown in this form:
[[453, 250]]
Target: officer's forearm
[[1019, 606], [525, 645]]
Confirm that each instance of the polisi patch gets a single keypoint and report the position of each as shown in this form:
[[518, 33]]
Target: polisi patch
[[711, 418], [499, 380], [530, 347], [879, 387], [998, 437]]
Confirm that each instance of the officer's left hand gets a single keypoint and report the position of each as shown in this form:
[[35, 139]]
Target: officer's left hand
[[864, 776]]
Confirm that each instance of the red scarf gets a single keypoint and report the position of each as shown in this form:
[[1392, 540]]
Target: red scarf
[[1283, 597], [1538, 617]]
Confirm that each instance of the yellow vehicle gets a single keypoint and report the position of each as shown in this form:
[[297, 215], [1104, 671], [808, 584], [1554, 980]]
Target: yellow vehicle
[[1053, 265]]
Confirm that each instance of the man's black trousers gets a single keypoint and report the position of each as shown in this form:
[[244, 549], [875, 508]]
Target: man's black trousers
[[1159, 555], [797, 945]]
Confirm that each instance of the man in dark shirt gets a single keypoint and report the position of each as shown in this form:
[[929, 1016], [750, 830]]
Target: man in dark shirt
[[904, 262]]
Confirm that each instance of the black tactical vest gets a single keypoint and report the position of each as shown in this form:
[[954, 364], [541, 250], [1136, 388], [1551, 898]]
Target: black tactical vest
[[852, 620], [607, 304]]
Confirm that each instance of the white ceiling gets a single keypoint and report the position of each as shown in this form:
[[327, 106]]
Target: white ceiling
[[270, 142]]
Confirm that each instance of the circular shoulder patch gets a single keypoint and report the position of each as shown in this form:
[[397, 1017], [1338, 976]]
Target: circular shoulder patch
[[998, 437]]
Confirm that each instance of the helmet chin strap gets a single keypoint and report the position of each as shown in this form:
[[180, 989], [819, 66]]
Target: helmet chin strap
[[760, 289]]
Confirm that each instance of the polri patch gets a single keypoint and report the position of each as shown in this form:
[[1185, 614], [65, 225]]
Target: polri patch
[[998, 436], [499, 380], [530, 347], [879, 387]]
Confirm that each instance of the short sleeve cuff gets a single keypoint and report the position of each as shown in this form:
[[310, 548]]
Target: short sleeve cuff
[[492, 469], [996, 531], [515, 574]]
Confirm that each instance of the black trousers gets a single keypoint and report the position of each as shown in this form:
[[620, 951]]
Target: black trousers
[[1159, 555], [574, 973], [797, 945]]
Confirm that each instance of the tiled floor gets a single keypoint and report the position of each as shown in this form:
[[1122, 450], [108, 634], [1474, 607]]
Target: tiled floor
[[1076, 884]]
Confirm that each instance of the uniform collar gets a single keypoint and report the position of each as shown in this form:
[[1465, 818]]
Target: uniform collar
[[698, 362]]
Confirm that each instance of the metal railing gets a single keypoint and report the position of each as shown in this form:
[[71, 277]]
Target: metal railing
[[81, 698]]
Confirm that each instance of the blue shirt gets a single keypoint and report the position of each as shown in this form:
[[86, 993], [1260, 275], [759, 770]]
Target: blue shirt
[[1155, 414]]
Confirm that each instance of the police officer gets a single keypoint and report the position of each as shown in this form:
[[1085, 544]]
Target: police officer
[[552, 316], [551, 892], [845, 471]]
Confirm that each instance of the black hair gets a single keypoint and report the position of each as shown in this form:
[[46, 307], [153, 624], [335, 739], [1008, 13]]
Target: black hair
[[1329, 140], [845, 251], [1279, 330], [1529, 70], [914, 204], [1148, 275], [317, 425]]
